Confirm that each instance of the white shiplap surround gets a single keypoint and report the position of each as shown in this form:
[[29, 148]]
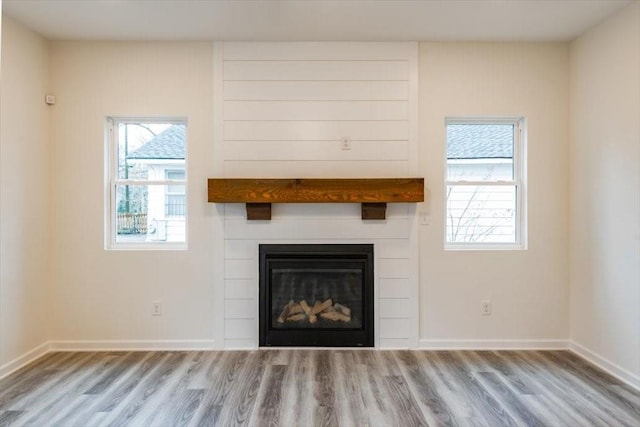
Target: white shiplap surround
[[281, 111]]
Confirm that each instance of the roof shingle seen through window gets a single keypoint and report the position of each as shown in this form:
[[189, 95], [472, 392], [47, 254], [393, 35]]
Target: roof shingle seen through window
[[169, 144], [479, 141]]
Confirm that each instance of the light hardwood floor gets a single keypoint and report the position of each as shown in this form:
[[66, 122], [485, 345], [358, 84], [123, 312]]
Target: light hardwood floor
[[315, 388]]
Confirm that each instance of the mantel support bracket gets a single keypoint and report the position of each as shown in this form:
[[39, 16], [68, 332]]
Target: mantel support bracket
[[374, 210], [258, 211]]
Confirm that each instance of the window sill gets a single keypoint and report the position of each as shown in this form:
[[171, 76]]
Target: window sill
[[160, 246], [485, 247]]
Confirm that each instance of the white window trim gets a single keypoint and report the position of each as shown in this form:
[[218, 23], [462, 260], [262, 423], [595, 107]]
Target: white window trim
[[519, 180], [111, 181]]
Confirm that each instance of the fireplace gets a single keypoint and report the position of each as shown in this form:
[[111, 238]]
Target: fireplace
[[316, 295]]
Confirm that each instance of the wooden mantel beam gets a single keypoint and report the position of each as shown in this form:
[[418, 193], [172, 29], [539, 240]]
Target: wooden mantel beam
[[373, 193]]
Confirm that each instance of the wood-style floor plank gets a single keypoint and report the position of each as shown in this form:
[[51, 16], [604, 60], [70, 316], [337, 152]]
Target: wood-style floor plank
[[425, 390], [566, 389], [537, 395], [324, 414], [341, 387]]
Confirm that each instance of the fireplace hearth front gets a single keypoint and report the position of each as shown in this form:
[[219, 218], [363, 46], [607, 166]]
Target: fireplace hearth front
[[316, 295]]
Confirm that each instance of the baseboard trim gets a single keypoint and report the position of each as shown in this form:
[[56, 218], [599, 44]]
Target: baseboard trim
[[21, 361], [133, 345], [606, 365], [426, 344]]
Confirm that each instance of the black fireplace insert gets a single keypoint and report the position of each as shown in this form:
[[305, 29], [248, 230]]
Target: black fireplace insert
[[316, 295]]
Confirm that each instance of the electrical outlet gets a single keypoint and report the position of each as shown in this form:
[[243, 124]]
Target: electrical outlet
[[486, 308], [345, 143], [156, 308]]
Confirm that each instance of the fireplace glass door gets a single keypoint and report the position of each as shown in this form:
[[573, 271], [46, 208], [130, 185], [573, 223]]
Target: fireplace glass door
[[316, 295]]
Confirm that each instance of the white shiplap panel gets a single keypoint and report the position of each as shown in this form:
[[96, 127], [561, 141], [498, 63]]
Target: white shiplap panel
[[393, 308], [394, 288], [395, 210], [315, 51], [240, 268], [240, 249], [240, 309], [316, 90], [315, 169], [315, 110], [241, 329], [315, 150], [393, 268], [320, 130], [393, 248], [287, 107], [394, 343], [241, 288], [307, 229], [235, 210], [241, 344], [337, 211], [316, 70], [394, 328]]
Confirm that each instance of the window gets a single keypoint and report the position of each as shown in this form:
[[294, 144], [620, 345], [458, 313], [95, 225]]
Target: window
[[484, 184], [146, 194], [174, 194]]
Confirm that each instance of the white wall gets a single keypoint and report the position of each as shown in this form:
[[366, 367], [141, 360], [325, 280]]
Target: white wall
[[106, 295], [528, 289], [24, 195], [605, 193]]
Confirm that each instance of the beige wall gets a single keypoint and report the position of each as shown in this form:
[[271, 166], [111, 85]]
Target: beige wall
[[529, 288], [107, 295], [605, 192], [24, 195]]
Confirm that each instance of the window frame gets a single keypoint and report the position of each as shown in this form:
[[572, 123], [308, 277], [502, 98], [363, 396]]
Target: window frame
[[112, 181], [518, 182]]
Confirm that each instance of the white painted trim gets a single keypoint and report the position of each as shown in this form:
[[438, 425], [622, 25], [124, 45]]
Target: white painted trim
[[606, 365], [471, 344], [133, 345], [518, 181], [21, 361]]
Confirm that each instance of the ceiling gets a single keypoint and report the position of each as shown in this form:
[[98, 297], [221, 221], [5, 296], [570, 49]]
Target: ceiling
[[312, 20]]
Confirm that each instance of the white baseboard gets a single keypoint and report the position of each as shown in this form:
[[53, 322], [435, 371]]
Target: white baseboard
[[472, 344], [606, 365], [133, 345], [17, 363]]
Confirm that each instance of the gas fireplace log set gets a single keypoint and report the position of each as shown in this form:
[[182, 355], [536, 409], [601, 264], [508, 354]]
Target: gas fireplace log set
[[301, 311]]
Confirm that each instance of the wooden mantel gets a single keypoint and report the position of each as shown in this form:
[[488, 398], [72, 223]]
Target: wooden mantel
[[372, 193]]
